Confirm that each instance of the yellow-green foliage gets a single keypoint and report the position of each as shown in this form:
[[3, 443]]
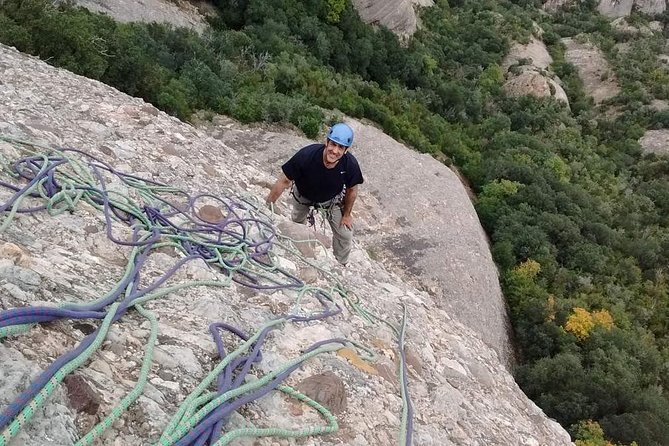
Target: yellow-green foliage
[[335, 8], [590, 433], [527, 270], [559, 167], [581, 322], [603, 318], [492, 78]]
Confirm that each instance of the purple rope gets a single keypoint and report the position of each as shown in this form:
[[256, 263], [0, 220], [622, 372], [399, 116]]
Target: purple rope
[[29, 315], [16, 406], [212, 421], [6, 206], [228, 234]]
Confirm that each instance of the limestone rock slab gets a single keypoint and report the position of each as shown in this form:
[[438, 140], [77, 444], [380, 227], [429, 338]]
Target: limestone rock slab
[[594, 70], [398, 16]]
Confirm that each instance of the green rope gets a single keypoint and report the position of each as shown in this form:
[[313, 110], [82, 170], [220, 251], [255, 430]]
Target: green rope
[[209, 379], [200, 402], [15, 330], [332, 425], [137, 390], [183, 426], [28, 412]]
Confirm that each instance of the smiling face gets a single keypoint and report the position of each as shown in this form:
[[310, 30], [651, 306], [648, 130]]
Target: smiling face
[[333, 153]]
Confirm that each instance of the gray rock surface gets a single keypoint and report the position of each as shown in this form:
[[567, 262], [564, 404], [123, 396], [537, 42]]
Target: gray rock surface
[[615, 8], [180, 13], [527, 72], [54, 422], [533, 83], [651, 6], [655, 141], [399, 16], [430, 233], [462, 393], [535, 51], [555, 5], [599, 80], [622, 25]]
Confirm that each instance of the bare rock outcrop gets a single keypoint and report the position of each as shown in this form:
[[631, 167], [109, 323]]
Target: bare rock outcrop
[[622, 25], [54, 421], [651, 7], [655, 141], [527, 72], [534, 83], [399, 16], [598, 78], [181, 13], [555, 5], [615, 8], [462, 392], [535, 51]]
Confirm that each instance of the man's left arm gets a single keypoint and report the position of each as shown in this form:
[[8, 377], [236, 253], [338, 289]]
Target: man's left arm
[[349, 199]]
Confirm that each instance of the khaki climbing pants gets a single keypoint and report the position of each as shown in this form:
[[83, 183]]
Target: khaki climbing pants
[[342, 237]]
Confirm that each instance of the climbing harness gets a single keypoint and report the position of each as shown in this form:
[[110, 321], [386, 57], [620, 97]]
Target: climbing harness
[[147, 218], [324, 209]]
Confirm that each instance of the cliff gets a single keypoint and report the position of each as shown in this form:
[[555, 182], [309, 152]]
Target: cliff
[[462, 393]]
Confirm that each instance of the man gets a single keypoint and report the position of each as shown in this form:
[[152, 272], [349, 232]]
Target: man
[[326, 176]]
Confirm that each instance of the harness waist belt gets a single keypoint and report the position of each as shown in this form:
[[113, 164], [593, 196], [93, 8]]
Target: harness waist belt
[[335, 201]]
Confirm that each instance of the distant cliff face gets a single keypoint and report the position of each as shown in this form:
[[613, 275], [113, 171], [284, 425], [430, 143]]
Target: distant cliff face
[[527, 72], [180, 13], [397, 15], [616, 8], [462, 393]]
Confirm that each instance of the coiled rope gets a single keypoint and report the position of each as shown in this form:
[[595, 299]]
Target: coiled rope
[[239, 247]]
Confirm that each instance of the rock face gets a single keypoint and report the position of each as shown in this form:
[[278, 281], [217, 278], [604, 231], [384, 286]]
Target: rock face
[[535, 51], [555, 5], [615, 8], [598, 78], [655, 141], [180, 13], [651, 6], [397, 15], [527, 72], [432, 235], [535, 84], [54, 421], [621, 24], [462, 393]]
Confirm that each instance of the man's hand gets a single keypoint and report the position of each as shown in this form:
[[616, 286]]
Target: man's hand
[[349, 199], [282, 183]]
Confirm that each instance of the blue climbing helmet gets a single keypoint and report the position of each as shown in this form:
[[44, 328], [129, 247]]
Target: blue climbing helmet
[[342, 134]]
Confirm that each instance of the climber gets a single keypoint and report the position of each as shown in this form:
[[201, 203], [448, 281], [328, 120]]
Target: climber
[[324, 176]]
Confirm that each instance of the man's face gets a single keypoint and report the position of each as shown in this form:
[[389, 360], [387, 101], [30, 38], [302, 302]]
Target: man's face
[[333, 152]]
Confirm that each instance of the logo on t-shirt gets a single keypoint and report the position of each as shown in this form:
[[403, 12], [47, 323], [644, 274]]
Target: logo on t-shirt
[[342, 172]]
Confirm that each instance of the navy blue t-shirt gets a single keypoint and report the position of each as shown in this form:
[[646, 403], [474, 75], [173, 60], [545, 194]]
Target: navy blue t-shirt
[[315, 181]]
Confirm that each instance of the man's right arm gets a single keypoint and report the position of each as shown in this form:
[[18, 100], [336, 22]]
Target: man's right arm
[[282, 183]]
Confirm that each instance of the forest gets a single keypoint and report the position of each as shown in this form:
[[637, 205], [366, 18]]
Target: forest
[[577, 215]]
